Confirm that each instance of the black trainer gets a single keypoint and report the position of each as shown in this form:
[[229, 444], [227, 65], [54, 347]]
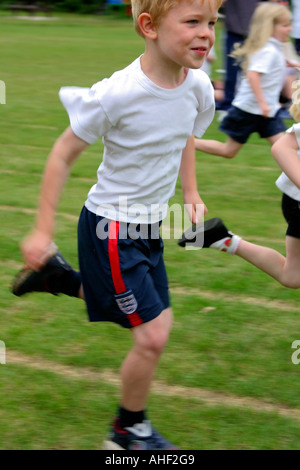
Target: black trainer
[[210, 234], [28, 280], [141, 436]]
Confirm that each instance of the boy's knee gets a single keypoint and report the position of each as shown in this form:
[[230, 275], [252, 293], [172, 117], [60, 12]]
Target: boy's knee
[[231, 153], [291, 283], [155, 334], [155, 343], [156, 340], [232, 148]]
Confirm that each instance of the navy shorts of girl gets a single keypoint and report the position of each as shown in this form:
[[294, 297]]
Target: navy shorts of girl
[[239, 125], [123, 272], [291, 212]]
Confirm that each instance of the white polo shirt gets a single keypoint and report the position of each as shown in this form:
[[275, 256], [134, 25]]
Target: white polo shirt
[[145, 129], [270, 62], [284, 183]]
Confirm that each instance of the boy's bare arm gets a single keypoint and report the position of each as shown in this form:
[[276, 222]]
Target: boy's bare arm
[[192, 200], [255, 83], [64, 153], [285, 153]]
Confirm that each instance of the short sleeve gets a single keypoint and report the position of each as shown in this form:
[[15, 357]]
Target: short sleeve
[[296, 129], [261, 61], [207, 110], [87, 117]]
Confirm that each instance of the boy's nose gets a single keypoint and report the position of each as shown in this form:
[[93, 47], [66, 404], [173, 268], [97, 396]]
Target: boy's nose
[[203, 31]]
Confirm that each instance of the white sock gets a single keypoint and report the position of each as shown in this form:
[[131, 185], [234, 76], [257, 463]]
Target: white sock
[[227, 244]]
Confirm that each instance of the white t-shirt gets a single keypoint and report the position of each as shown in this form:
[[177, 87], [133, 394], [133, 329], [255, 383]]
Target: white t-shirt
[[284, 183], [145, 129], [270, 62]]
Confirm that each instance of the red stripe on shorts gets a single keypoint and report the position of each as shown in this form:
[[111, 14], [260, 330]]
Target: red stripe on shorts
[[114, 260], [115, 267]]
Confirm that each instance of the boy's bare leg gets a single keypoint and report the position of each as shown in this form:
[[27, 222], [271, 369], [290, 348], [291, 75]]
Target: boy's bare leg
[[132, 430], [274, 138], [216, 235], [81, 293], [286, 270], [139, 366], [227, 149]]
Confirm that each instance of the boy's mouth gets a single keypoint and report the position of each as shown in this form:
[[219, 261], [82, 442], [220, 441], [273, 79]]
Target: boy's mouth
[[201, 51]]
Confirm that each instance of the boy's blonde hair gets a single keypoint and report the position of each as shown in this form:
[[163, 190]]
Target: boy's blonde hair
[[158, 9], [265, 17]]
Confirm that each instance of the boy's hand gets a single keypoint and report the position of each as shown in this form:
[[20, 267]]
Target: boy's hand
[[195, 207], [265, 109], [36, 249]]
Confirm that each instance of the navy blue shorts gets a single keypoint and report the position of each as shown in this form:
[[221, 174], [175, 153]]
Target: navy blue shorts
[[291, 211], [123, 272], [239, 125]]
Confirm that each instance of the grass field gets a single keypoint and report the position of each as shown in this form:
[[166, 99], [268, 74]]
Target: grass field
[[226, 380]]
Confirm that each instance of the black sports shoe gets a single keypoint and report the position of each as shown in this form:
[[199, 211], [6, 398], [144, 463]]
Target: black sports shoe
[[28, 280], [141, 436], [210, 234]]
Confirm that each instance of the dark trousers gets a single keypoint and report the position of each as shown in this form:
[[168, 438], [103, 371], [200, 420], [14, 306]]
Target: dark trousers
[[297, 45], [232, 69]]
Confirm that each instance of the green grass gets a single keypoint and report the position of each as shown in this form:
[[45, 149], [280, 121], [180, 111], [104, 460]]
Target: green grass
[[233, 327]]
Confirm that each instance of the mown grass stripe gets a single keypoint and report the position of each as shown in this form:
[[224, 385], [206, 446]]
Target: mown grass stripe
[[210, 398]]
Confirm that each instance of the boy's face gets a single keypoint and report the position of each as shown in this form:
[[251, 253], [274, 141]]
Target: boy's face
[[187, 33]]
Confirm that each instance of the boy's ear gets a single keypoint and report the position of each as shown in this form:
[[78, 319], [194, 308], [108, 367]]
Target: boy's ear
[[147, 26]]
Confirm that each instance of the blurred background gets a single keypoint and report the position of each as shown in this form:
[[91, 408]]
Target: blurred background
[[226, 380], [79, 6]]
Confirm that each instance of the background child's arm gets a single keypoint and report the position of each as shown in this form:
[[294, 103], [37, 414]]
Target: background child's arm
[[255, 83], [64, 153], [192, 200], [285, 153]]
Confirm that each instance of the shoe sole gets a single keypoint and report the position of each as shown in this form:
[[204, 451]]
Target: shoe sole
[[190, 235]]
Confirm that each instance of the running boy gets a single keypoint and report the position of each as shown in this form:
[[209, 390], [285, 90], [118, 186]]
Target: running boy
[[256, 105], [147, 115]]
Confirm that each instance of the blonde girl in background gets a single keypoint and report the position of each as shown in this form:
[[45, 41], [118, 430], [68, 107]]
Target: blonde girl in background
[[285, 269], [256, 105]]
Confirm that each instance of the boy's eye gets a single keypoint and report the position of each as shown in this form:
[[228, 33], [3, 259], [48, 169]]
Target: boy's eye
[[211, 24]]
